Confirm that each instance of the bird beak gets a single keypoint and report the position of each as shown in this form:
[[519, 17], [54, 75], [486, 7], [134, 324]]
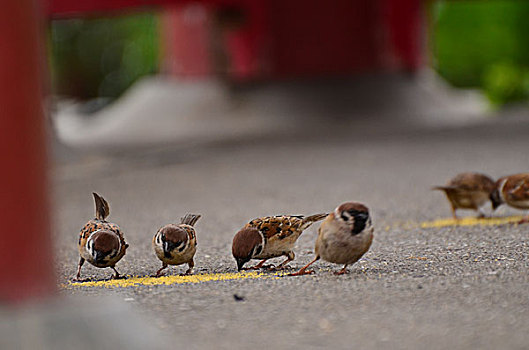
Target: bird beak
[[495, 205]]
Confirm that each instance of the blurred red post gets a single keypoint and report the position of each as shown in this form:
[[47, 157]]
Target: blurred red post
[[26, 264], [404, 22]]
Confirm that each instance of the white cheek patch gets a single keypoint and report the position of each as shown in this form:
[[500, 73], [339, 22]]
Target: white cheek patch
[[90, 246], [502, 197]]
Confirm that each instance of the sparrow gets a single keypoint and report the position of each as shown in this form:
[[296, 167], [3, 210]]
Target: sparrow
[[270, 237], [512, 190], [343, 237], [176, 244], [468, 191], [101, 243]]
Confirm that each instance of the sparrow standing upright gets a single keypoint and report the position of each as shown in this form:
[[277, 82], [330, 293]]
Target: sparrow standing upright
[[512, 190], [101, 243], [343, 237], [270, 237], [468, 191], [176, 244]]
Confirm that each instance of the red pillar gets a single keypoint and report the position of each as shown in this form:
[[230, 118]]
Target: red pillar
[[26, 265], [404, 22]]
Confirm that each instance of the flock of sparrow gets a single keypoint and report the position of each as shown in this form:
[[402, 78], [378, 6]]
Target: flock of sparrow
[[344, 236]]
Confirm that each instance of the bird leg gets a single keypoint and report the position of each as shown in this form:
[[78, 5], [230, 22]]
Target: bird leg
[[78, 277], [258, 266], [116, 273], [159, 272], [524, 220], [303, 270], [454, 215], [343, 271], [189, 271], [290, 257]]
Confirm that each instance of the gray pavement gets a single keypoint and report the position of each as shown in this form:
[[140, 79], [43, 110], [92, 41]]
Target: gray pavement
[[459, 288]]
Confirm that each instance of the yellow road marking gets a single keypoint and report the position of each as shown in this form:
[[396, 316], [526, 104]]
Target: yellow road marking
[[417, 258], [471, 221], [169, 280]]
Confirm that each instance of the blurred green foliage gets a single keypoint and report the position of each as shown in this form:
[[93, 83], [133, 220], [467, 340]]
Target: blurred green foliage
[[483, 44], [102, 57]]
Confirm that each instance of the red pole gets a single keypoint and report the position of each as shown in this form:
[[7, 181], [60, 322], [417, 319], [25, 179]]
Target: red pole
[[404, 22], [26, 265]]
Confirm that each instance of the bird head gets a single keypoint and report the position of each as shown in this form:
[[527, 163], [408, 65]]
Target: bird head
[[354, 215], [247, 243], [103, 244]]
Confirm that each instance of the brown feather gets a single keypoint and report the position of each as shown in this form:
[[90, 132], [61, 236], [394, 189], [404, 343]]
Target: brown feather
[[516, 187], [352, 206], [102, 207], [469, 182], [174, 233], [190, 219], [245, 241], [105, 241], [315, 217]]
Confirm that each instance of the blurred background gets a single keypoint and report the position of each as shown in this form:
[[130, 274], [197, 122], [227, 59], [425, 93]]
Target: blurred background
[[224, 69], [99, 57]]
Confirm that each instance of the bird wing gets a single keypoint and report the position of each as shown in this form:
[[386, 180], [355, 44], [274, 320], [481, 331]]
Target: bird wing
[[469, 182], [191, 235], [281, 226]]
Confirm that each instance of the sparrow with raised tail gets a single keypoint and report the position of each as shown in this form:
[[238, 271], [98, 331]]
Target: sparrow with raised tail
[[101, 243], [343, 237], [270, 237], [512, 190], [176, 244], [468, 191]]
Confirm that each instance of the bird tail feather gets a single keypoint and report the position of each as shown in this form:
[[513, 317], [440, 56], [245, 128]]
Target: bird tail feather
[[102, 207], [190, 219]]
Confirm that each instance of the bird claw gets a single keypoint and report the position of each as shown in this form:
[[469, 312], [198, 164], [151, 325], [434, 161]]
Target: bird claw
[[80, 280], [256, 267], [270, 267], [341, 272], [117, 277], [278, 268], [523, 221], [301, 273]]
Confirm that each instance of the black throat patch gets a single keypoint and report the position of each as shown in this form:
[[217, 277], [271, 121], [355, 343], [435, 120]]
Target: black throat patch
[[360, 221]]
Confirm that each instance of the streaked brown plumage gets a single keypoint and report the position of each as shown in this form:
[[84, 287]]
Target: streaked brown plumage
[[512, 190], [176, 244], [468, 191], [343, 237], [101, 243], [269, 237]]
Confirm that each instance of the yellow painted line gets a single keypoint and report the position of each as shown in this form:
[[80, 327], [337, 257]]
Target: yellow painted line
[[170, 280], [471, 221]]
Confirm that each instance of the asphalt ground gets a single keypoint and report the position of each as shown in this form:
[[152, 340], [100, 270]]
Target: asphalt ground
[[440, 287]]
